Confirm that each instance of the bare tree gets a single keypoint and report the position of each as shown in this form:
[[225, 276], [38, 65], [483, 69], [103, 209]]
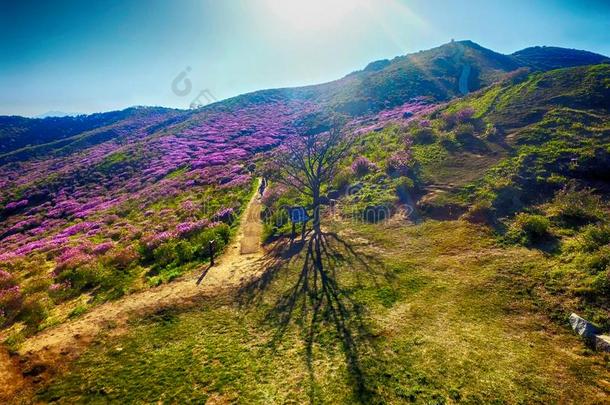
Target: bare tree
[[308, 162]]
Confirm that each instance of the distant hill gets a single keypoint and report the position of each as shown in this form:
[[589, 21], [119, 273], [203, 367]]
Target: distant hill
[[438, 74], [55, 132], [550, 57], [56, 114]]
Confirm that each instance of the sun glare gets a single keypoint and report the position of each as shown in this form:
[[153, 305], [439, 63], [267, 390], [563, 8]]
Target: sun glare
[[313, 14]]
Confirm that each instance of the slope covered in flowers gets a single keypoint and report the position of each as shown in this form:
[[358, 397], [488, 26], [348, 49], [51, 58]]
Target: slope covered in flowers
[[133, 210]]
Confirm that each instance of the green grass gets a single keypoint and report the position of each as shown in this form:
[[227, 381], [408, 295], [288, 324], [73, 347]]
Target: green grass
[[446, 316]]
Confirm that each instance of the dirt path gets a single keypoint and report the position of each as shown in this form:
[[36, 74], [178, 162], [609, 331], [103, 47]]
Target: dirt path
[[51, 351]]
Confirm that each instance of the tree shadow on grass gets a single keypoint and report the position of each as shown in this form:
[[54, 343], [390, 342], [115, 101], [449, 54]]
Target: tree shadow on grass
[[318, 303]]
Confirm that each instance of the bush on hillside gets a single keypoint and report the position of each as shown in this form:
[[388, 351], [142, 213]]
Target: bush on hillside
[[481, 212], [449, 120], [11, 300], [81, 278], [362, 166], [35, 309], [594, 237], [577, 207], [596, 262], [399, 164], [530, 228], [342, 180], [464, 115], [423, 136], [464, 132], [404, 184]]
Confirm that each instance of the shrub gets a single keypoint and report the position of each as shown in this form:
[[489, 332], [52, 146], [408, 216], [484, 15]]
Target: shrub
[[464, 115], [6, 280], [399, 164], [481, 212], [506, 197], [449, 120], [597, 262], [424, 123], [184, 252], [165, 254], [601, 284], [404, 184], [423, 136], [34, 309], [532, 227], [71, 258], [362, 166], [226, 215], [448, 141], [595, 236], [223, 232], [102, 248], [81, 278], [577, 207], [60, 291], [464, 131], [123, 258], [342, 180], [10, 301]]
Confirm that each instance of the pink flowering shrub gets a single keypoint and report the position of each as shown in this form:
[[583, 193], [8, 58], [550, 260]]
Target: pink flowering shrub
[[15, 205], [226, 215], [450, 120], [60, 291], [71, 258], [55, 287], [189, 208], [151, 242], [272, 195], [102, 248], [186, 229], [362, 166], [465, 115], [399, 164]]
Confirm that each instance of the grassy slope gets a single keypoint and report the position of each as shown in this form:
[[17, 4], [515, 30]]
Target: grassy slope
[[540, 122], [454, 319]]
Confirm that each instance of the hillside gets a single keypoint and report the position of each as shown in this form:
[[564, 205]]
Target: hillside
[[433, 73], [493, 175], [470, 306]]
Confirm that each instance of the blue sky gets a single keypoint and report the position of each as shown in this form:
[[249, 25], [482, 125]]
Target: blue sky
[[78, 56]]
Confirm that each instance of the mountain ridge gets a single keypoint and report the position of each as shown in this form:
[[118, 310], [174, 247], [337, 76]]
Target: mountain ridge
[[526, 57]]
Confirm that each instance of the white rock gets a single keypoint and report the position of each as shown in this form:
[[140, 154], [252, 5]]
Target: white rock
[[583, 327]]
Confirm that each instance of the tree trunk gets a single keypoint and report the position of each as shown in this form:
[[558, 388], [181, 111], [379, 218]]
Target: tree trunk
[[316, 209]]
